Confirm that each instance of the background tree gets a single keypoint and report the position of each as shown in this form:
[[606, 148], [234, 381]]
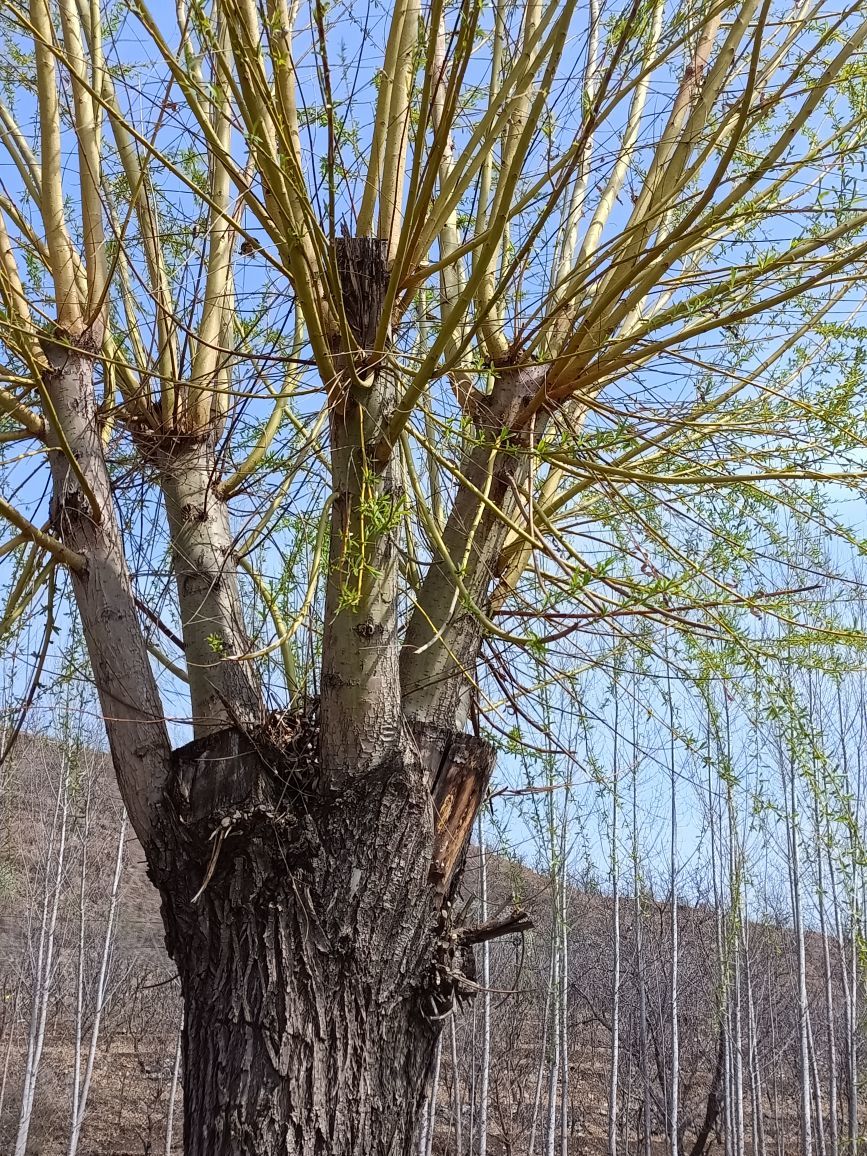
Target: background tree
[[417, 352]]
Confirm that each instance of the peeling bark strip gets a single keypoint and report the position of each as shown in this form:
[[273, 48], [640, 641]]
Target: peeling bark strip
[[361, 707], [460, 768], [128, 694]]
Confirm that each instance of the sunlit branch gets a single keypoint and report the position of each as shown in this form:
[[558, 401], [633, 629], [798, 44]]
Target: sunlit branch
[[87, 135], [56, 236], [40, 538]]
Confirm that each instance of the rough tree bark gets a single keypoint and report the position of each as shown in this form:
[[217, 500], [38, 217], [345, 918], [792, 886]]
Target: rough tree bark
[[312, 932]]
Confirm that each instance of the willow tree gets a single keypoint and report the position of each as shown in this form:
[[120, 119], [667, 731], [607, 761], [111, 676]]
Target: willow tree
[[358, 365]]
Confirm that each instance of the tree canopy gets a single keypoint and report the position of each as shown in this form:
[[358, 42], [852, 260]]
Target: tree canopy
[[622, 248]]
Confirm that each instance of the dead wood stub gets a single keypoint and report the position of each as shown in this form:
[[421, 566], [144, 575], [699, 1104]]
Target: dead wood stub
[[515, 923], [459, 767], [232, 768], [362, 266], [236, 779]]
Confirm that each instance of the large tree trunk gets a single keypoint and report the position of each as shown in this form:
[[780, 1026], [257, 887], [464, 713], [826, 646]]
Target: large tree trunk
[[312, 932], [307, 882]]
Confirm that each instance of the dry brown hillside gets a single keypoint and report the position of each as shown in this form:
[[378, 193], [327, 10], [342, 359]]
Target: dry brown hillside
[[136, 1047]]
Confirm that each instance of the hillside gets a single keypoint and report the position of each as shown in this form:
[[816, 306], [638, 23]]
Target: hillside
[[136, 1047]]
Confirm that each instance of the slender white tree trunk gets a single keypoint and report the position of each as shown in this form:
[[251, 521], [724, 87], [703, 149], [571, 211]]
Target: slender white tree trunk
[[853, 1128], [543, 1056], [674, 1121], [848, 954], [45, 959], [456, 1087], [758, 1119], [630, 1079], [424, 1124], [822, 836], [615, 973], [9, 1044], [430, 1117], [79, 987], [803, 1006], [715, 826], [80, 1103], [848, 1025], [729, 1112], [564, 996], [173, 1091], [554, 1061], [484, 1075], [779, 1121], [737, 905], [817, 1089], [4, 727], [639, 948], [471, 1139], [738, 1057]]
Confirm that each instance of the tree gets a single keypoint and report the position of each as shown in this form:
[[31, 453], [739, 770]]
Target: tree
[[554, 276]]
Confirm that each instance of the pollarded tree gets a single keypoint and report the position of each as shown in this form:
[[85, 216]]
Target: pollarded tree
[[404, 348]]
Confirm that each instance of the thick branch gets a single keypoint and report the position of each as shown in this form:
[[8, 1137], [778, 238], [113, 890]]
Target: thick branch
[[361, 716], [444, 635], [62, 553], [223, 692], [128, 694]]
